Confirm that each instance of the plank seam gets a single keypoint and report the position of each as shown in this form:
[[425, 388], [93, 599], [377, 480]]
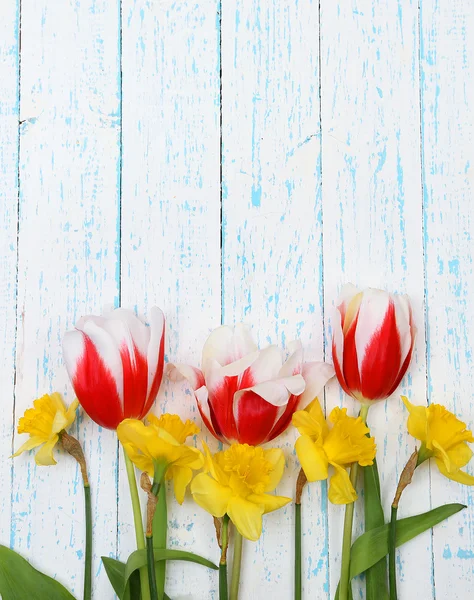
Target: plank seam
[[424, 226], [221, 215], [15, 333]]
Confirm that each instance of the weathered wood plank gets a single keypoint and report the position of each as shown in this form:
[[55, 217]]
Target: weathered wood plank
[[171, 221], [9, 52], [372, 218], [68, 242], [272, 234], [447, 93]]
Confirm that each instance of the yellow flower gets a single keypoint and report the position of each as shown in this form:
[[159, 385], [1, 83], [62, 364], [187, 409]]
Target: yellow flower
[[158, 448], [443, 436], [238, 480], [44, 423], [342, 445]]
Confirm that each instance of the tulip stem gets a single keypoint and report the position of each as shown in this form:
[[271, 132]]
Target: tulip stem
[[224, 542], [297, 551], [236, 564], [137, 519], [348, 520], [392, 573], [88, 560]]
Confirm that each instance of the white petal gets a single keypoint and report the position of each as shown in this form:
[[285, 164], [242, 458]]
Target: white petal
[[373, 309], [404, 325], [235, 368], [139, 333], [226, 345], [347, 293], [157, 332], [338, 339], [179, 372], [108, 350], [73, 350], [277, 391], [316, 375], [267, 364], [294, 363]]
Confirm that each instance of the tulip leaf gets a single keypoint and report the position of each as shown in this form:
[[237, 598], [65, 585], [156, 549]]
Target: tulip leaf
[[116, 573], [20, 580], [375, 576], [372, 545], [138, 559]]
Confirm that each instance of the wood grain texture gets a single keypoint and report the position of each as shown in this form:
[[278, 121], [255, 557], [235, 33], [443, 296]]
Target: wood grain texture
[[9, 55], [372, 215], [171, 222], [346, 136], [68, 245], [447, 94], [272, 233]]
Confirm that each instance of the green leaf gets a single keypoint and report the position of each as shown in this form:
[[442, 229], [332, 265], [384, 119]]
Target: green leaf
[[375, 576], [372, 546], [138, 559], [19, 580]]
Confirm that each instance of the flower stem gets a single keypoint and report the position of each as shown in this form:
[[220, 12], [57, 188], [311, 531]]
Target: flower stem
[[150, 557], [223, 593], [392, 574], [236, 564], [137, 519], [297, 551], [348, 519], [88, 560]]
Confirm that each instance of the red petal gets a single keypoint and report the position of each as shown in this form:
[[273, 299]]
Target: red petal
[[221, 408], [96, 389], [403, 370], [285, 419], [350, 363], [255, 418], [135, 381], [338, 369], [381, 364]]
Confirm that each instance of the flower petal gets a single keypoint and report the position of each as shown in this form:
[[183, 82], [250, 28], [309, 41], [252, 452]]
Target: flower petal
[[202, 401], [33, 442], [311, 422], [179, 372], [181, 477], [210, 495], [254, 417], [341, 490], [226, 345], [269, 501], [459, 476], [155, 357], [338, 353], [316, 375], [312, 458], [417, 420], [276, 458], [246, 516], [44, 457]]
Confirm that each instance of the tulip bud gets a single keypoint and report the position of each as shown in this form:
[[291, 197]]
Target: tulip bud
[[372, 343]]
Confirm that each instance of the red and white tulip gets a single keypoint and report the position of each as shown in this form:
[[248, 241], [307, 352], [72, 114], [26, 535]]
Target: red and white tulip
[[115, 363], [248, 395], [372, 343]]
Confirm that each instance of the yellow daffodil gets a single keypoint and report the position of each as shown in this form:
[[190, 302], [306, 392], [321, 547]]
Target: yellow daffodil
[[443, 436], [342, 445], [237, 482], [158, 449], [44, 423]]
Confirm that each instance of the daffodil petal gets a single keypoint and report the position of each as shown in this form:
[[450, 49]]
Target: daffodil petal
[[417, 420], [71, 413], [460, 455], [181, 477], [443, 456], [210, 495], [276, 457], [33, 442], [269, 501], [341, 490], [459, 476], [312, 458], [306, 424], [44, 457], [246, 516], [144, 463]]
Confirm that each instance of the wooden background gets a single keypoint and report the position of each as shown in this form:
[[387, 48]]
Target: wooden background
[[234, 160]]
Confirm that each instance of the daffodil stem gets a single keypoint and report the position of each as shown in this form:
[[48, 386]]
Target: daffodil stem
[[223, 591], [88, 561], [236, 564], [392, 573], [137, 519], [347, 533], [150, 556], [297, 551]]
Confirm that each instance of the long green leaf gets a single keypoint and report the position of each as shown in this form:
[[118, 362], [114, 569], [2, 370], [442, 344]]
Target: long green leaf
[[19, 580], [375, 576], [116, 573], [138, 559], [372, 546]]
